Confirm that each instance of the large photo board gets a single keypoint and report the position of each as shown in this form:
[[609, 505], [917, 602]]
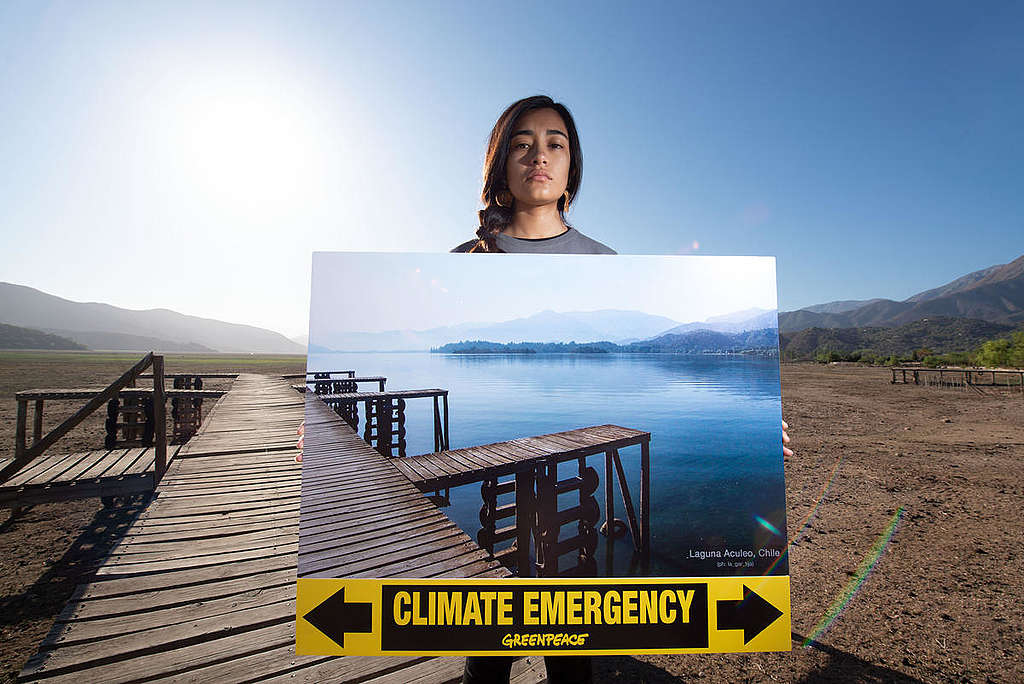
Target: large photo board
[[554, 417]]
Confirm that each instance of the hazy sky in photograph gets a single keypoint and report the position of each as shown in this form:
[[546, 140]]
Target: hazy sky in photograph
[[423, 291], [192, 155]]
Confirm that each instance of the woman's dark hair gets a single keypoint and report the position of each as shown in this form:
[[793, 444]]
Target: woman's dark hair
[[493, 217]]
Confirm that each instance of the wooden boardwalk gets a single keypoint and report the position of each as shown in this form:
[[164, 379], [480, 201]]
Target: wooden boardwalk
[[473, 464], [202, 587], [362, 518]]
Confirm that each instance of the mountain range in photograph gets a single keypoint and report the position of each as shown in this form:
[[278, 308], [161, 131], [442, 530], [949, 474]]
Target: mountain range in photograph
[[608, 329], [956, 316]]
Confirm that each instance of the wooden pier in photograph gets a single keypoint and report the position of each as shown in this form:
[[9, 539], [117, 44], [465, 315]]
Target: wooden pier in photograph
[[384, 414], [533, 463], [202, 586], [958, 377], [353, 381]]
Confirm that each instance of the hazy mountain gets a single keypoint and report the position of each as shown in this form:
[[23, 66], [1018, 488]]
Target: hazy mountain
[[28, 307], [301, 340], [575, 326], [122, 342], [740, 321], [994, 294], [695, 342], [14, 337]]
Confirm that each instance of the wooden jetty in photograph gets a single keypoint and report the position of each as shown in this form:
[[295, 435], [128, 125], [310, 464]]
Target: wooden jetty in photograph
[[384, 413], [531, 462], [351, 383], [202, 586], [958, 377]]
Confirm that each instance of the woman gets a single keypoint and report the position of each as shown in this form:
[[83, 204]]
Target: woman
[[532, 174]]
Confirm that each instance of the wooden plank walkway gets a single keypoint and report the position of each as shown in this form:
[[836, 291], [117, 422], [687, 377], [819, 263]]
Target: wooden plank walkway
[[202, 587], [362, 518], [473, 464]]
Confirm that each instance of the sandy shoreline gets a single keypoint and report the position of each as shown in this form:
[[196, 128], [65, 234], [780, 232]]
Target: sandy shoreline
[[941, 603]]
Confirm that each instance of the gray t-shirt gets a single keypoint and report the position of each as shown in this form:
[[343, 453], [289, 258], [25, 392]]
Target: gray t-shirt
[[571, 241]]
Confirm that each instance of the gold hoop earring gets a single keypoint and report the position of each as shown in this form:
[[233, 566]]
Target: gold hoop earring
[[504, 199]]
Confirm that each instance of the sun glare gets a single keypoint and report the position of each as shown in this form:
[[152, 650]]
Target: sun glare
[[248, 149]]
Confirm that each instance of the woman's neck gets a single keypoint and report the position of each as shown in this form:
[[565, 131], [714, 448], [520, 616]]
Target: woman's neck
[[533, 223]]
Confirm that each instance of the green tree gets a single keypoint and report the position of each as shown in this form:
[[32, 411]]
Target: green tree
[[994, 353], [1017, 349]]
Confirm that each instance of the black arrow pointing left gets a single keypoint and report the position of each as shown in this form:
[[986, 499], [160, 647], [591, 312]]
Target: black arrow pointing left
[[752, 614], [335, 617]]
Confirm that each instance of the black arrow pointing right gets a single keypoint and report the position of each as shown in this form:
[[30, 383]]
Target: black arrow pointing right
[[752, 614], [335, 617]]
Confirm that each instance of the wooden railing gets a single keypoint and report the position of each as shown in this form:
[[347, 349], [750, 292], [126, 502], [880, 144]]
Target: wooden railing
[[25, 454]]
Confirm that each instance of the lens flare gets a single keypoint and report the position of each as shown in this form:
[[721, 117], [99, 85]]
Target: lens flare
[[857, 581], [767, 525], [807, 519]]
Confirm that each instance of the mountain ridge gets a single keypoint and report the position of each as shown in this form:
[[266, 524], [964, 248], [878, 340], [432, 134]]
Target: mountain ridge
[[28, 307]]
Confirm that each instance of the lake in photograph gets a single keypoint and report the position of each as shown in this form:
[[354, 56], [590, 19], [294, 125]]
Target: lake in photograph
[[716, 442]]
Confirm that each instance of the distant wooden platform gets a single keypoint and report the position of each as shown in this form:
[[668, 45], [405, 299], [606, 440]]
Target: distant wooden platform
[[379, 379], [310, 374], [353, 397], [104, 472], [202, 587], [473, 464], [90, 392], [232, 376]]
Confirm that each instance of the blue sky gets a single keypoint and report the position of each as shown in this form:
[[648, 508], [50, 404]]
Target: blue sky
[[424, 291], [193, 155]]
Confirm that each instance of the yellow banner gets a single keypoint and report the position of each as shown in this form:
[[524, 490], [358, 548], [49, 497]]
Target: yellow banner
[[602, 616]]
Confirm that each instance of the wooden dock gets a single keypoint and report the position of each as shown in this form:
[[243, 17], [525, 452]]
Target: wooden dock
[[98, 473], [958, 377], [362, 518], [202, 587]]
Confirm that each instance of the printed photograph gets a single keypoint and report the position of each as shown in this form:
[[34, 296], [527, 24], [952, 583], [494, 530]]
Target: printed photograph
[[557, 415]]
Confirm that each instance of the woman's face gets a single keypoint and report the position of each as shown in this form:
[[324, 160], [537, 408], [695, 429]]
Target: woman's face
[[538, 161]]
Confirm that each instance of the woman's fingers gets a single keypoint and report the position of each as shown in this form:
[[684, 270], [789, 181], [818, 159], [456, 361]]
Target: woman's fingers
[[785, 439]]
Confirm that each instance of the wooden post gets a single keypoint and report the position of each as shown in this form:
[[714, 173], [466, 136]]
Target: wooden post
[[645, 496], [524, 520], [447, 444], [159, 417], [893, 376], [381, 383], [37, 422], [19, 430], [609, 497], [437, 425], [635, 529]]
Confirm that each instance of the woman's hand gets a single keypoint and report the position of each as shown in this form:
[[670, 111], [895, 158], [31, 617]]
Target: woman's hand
[[785, 440], [301, 433]]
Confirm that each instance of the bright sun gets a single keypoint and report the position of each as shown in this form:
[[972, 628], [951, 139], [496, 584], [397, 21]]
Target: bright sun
[[247, 148]]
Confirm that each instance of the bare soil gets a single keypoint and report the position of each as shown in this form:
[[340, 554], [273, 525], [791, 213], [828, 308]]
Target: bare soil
[[941, 604]]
